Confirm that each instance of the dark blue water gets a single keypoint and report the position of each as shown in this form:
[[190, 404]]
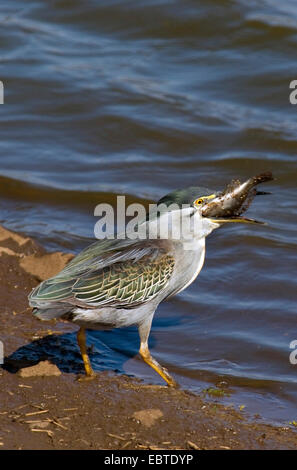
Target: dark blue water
[[139, 98]]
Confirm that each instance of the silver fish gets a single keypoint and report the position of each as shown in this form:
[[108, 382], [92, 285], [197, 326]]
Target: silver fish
[[235, 199]]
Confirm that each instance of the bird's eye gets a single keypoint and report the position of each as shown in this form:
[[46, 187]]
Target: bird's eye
[[198, 201]]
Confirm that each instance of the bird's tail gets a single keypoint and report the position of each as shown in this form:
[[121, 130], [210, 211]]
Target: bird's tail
[[48, 299], [50, 313]]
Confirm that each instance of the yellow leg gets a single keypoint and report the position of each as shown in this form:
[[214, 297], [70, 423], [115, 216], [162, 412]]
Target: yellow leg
[[146, 356], [144, 352], [81, 339]]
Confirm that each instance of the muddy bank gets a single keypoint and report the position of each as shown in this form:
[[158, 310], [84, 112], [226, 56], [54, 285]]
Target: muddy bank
[[46, 407]]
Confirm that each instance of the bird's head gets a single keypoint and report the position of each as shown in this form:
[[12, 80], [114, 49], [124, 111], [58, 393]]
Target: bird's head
[[215, 208]]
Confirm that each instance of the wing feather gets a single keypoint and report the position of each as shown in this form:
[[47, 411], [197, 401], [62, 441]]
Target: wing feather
[[132, 283], [124, 275]]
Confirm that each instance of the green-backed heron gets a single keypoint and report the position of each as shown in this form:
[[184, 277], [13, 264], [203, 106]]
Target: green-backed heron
[[120, 282]]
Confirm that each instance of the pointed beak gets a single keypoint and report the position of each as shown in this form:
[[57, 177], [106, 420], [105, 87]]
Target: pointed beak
[[238, 220], [228, 205]]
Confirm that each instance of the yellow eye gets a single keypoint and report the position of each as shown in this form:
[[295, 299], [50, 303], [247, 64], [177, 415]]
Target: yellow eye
[[198, 201]]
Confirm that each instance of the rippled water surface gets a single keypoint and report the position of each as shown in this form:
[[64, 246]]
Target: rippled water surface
[[142, 97]]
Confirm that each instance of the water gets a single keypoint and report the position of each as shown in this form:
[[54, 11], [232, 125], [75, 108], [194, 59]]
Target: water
[[143, 97]]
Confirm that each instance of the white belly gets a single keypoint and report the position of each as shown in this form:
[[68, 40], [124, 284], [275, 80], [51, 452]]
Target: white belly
[[106, 318]]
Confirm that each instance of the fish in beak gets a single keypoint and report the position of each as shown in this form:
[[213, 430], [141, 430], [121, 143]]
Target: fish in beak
[[228, 205]]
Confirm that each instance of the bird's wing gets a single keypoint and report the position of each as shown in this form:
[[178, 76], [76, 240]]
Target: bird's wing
[[124, 274], [125, 284]]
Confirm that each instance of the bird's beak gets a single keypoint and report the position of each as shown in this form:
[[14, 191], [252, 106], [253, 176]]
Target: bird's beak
[[228, 205], [241, 220]]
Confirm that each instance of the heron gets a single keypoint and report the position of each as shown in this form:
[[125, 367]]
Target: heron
[[120, 282]]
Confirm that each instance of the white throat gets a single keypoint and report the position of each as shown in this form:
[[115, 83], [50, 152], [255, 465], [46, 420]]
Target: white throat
[[186, 225]]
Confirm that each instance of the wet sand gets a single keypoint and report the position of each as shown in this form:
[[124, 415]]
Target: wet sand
[[57, 411]]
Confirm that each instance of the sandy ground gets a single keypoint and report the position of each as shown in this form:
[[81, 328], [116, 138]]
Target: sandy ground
[[48, 408]]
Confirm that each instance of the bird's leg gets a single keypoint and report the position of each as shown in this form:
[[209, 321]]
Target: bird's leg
[[144, 331], [81, 339]]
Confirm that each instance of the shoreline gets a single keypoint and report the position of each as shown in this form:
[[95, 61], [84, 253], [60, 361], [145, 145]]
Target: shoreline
[[56, 411]]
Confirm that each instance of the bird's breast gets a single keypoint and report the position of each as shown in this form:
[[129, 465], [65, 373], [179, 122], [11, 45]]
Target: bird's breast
[[189, 263]]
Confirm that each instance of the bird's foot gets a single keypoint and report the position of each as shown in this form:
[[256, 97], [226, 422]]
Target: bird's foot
[[86, 378], [172, 383], [162, 371], [167, 377]]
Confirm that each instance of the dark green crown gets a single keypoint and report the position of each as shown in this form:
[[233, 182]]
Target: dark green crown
[[185, 196]]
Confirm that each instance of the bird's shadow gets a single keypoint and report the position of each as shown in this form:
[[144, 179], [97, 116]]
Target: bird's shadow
[[108, 350]]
